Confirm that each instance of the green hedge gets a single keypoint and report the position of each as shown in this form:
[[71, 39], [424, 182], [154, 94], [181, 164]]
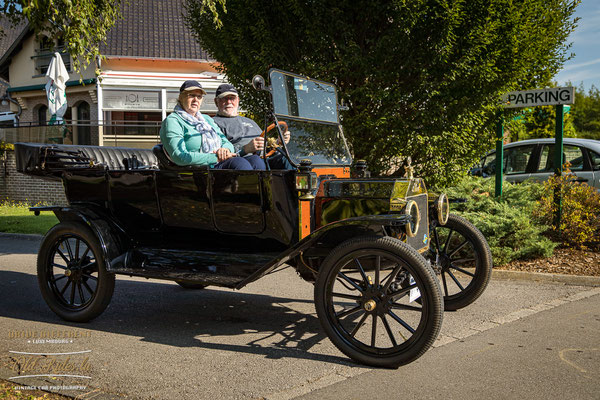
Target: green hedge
[[509, 225]]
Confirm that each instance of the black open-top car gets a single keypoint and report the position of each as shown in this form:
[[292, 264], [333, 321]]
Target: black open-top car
[[372, 247]]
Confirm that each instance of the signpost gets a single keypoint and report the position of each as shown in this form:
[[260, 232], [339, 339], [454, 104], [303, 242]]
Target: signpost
[[539, 97], [530, 98]]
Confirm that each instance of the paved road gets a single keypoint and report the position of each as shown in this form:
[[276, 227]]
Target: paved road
[[158, 341]]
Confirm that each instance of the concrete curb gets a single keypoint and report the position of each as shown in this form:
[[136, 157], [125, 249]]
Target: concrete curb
[[578, 280]]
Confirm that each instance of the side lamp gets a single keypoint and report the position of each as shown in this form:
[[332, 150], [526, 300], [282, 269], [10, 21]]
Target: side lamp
[[306, 180]]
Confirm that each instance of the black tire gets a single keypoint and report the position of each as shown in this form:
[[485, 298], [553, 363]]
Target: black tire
[[461, 255], [72, 274], [351, 305], [190, 285]]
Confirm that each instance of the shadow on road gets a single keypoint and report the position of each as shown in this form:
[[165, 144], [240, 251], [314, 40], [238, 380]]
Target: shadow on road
[[167, 314]]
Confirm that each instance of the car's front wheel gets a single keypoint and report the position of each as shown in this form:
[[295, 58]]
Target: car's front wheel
[[461, 255], [72, 274], [366, 299]]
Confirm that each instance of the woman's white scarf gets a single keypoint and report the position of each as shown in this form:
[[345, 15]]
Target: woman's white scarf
[[211, 141]]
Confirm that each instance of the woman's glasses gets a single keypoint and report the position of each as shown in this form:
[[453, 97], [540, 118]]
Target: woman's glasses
[[192, 95]]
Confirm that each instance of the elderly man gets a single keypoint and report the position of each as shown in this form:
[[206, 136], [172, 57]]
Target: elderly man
[[243, 132]]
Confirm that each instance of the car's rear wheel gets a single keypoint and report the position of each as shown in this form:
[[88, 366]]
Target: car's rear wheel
[[365, 297], [72, 274], [461, 255]]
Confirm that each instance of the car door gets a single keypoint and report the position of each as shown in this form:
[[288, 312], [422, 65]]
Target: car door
[[516, 162], [573, 155], [237, 201]]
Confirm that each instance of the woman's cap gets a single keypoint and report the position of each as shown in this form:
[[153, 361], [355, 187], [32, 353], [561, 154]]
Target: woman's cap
[[191, 85]]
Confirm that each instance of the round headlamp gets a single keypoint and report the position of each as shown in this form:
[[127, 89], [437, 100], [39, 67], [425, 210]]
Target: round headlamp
[[442, 206], [412, 209]]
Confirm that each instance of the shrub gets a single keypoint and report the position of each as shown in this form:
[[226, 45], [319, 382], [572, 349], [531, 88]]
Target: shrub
[[509, 225], [580, 214]]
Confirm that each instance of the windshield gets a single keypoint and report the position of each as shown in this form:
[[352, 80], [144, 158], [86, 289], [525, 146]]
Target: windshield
[[310, 110], [323, 144], [300, 97]]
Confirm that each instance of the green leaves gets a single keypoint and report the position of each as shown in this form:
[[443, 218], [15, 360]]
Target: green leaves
[[586, 113], [509, 226], [422, 78], [82, 24]]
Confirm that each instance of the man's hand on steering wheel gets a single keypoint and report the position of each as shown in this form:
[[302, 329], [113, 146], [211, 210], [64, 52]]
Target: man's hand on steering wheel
[[272, 147]]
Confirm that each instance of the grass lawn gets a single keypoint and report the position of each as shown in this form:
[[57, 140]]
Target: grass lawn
[[16, 218]]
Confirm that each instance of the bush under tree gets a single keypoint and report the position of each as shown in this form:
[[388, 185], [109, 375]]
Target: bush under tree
[[580, 211], [509, 224]]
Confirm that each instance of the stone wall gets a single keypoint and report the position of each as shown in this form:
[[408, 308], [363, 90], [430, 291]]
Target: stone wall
[[18, 187]]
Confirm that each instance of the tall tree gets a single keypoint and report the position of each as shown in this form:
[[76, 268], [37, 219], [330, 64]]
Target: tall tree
[[82, 24], [586, 113], [421, 77]]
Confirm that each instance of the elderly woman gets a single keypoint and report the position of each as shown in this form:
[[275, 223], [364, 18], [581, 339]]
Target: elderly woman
[[191, 138]]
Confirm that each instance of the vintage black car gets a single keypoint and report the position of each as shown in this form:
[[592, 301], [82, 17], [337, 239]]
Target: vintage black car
[[360, 240]]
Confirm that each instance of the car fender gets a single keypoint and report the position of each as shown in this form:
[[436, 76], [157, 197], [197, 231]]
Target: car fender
[[109, 234], [365, 225]]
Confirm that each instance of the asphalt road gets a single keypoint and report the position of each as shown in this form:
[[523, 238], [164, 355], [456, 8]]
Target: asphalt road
[[159, 341]]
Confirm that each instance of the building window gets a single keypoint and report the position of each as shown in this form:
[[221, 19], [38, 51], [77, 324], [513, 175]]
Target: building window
[[42, 115], [83, 119], [46, 49]]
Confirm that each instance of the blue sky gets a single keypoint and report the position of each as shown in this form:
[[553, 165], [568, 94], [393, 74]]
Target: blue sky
[[585, 66]]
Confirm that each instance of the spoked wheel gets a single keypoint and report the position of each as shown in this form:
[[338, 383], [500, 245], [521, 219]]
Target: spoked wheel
[[71, 273], [365, 296], [461, 255]]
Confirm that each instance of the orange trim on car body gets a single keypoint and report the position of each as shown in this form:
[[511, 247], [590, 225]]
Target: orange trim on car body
[[304, 218], [338, 172]]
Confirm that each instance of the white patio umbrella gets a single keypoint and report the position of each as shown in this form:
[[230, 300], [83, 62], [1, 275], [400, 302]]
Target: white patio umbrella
[[55, 88]]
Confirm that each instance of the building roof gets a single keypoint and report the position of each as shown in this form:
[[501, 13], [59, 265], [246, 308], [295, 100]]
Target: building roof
[[10, 41], [148, 29], [10, 33], [153, 29]]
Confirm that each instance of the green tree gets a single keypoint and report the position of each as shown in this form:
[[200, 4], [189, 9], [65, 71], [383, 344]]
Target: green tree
[[539, 122], [586, 113], [421, 77], [82, 24]]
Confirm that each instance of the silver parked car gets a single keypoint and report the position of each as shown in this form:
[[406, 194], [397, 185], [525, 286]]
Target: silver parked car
[[534, 158]]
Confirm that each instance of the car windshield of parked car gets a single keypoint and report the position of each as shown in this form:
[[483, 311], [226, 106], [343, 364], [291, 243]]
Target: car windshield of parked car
[[323, 144], [299, 97]]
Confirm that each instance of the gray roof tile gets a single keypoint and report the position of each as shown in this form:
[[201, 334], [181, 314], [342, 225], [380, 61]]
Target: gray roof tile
[[154, 29]]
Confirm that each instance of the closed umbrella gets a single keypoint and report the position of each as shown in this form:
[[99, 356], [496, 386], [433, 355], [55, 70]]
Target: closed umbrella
[[55, 88]]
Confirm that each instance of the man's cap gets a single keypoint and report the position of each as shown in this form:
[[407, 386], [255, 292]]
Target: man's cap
[[225, 90], [191, 85]]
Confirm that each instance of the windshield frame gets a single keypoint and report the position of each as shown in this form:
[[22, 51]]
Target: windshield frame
[[337, 124], [337, 114]]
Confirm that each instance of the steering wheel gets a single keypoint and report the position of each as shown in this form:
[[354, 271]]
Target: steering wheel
[[273, 145]]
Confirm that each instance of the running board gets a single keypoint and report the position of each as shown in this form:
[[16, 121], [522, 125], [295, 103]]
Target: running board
[[209, 268]]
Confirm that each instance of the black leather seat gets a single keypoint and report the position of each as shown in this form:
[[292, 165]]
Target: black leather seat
[[114, 158], [119, 158], [165, 162]]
